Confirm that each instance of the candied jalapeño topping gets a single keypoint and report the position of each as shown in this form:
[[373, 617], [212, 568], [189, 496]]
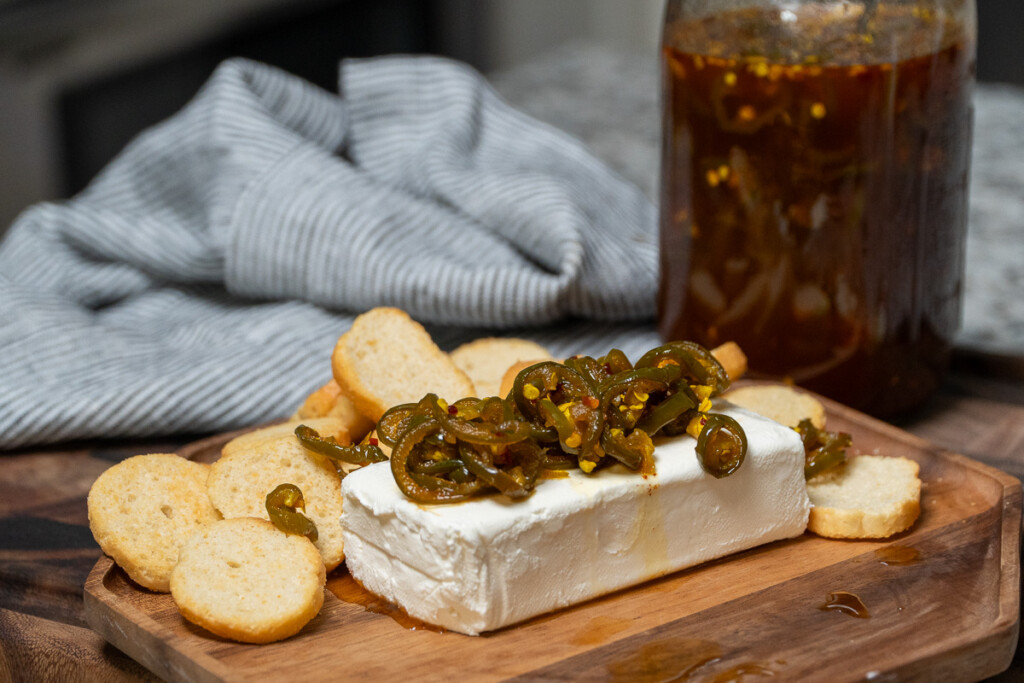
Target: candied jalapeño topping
[[361, 454], [824, 450], [586, 413], [283, 505]]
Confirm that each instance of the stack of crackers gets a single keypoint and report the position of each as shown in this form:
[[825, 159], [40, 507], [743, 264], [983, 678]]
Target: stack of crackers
[[202, 532]]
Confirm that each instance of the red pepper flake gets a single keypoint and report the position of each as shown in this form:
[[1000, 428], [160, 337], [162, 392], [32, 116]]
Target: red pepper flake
[[591, 402], [373, 441], [452, 410], [499, 433]]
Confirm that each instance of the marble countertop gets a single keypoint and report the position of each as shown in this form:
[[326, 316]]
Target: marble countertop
[[610, 100]]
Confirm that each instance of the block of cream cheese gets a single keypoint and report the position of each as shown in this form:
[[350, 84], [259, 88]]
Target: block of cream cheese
[[489, 562]]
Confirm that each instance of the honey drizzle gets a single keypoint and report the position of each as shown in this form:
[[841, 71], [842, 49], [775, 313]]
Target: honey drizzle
[[741, 671], [898, 555], [665, 659], [846, 603], [350, 591], [599, 630]]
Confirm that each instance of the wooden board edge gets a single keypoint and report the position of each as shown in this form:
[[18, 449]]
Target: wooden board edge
[[992, 653], [978, 657], [976, 660], [1013, 520], [146, 640]]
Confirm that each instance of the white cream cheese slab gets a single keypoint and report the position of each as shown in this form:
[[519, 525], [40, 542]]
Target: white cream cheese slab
[[490, 562]]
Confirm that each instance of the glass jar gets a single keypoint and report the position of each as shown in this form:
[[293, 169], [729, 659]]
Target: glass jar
[[814, 188]]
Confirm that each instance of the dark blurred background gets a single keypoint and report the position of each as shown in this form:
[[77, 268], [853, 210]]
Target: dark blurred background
[[80, 78]]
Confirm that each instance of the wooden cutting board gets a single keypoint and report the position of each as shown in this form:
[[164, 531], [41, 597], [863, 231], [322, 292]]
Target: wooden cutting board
[[943, 600]]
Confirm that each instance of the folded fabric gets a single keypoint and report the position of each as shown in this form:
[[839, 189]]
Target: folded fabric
[[200, 282]]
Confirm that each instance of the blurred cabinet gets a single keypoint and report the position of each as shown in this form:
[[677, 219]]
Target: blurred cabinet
[[1001, 41], [80, 78]]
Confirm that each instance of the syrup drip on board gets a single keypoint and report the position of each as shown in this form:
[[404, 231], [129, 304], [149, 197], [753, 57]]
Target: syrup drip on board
[[347, 589], [847, 603], [599, 630], [742, 671], [898, 555], [665, 659]]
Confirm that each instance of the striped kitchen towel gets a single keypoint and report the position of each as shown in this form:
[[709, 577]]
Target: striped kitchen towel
[[200, 282]]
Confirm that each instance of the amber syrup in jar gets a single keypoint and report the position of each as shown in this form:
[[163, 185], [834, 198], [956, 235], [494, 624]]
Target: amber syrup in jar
[[814, 193]]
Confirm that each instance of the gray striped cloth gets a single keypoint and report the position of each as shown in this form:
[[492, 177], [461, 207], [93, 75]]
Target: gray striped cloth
[[202, 279]]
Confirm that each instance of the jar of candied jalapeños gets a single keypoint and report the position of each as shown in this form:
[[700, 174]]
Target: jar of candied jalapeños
[[814, 188]]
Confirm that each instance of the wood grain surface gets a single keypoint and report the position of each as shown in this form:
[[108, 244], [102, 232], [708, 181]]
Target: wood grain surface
[[951, 610]]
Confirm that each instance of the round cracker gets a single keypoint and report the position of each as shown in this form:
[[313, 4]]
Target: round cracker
[[143, 509], [871, 496], [386, 358], [240, 481], [329, 401], [245, 580], [486, 360], [784, 404], [331, 427]]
